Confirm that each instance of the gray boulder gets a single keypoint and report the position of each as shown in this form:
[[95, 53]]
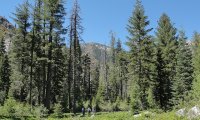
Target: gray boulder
[[181, 112], [137, 115], [193, 113]]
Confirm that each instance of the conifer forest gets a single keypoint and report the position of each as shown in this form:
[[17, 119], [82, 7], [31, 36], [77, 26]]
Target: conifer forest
[[47, 71]]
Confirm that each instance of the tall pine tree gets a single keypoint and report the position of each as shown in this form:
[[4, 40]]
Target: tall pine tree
[[141, 57], [166, 61], [196, 65], [4, 72], [20, 55], [55, 16], [184, 71], [75, 68]]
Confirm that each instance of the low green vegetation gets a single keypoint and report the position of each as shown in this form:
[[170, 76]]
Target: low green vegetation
[[16, 110], [19, 111], [124, 116]]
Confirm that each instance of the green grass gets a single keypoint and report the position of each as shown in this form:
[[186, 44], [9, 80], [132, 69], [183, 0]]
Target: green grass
[[122, 116]]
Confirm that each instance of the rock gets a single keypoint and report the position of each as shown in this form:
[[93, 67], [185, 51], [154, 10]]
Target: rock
[[181, 112], [193, 113], [137, 115], [92, 116], [148, 114]]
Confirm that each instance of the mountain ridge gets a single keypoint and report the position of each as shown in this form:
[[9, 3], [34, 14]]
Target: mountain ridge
[[6, 31]]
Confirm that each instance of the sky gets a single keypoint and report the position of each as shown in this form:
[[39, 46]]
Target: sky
[[102, 16]]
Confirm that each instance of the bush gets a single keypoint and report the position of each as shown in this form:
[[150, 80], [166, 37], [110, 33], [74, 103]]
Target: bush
[[119, 105], [86, 104], [15, 110], [106, 106], [58, 111], [123, 106], [40, 112]]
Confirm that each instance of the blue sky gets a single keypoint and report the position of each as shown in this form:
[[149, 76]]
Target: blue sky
[[102, 16]]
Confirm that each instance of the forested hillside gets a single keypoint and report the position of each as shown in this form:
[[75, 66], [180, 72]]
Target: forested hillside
[[46, 69]]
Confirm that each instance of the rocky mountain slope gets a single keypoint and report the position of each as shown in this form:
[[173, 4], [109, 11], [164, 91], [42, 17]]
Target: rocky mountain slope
[[6, 31], [96, 51]]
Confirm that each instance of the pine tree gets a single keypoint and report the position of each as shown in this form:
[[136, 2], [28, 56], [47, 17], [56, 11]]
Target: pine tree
[[141, 56], [101, 92], [166, 61], [122, 70], [95, 76], [196, 64], [64, 92], [52, 5], [114, 86], [4, 72], [86, 82], [58, 67], [20, 52], [5, 75], [55, 11], [35, 40], [105, 74], [75, 68], [37, 53], [184, 71]]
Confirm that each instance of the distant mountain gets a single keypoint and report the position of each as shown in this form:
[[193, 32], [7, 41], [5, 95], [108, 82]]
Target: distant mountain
[[6, 31], [96, 51]]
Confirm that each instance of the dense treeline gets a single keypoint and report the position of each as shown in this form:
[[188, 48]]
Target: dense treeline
[[40, 69]]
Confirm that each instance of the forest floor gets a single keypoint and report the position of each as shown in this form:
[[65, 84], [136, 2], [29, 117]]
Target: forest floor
[[123, 116]]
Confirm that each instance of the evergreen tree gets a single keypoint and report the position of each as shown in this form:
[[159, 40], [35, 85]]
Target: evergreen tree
[[20, 56], [101, 92], [58, 75], [4, 72], [184, 71], [141, 57], [196, 64], [64, 92], [114, 86], [95, 76], [105, 74], [35, 42], [166, 61], [37, 53], [75, 68], [122, 71], [86, 83], [55, 11]]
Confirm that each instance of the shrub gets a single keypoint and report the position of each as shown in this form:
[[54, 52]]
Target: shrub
[[16, 110], [115, 106], [106, 106], [9, 108], [58, 110], [40, 112], [123, 106], [86, 104]]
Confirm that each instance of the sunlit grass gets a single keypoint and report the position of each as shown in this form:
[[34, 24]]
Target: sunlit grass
[[122, 116]]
